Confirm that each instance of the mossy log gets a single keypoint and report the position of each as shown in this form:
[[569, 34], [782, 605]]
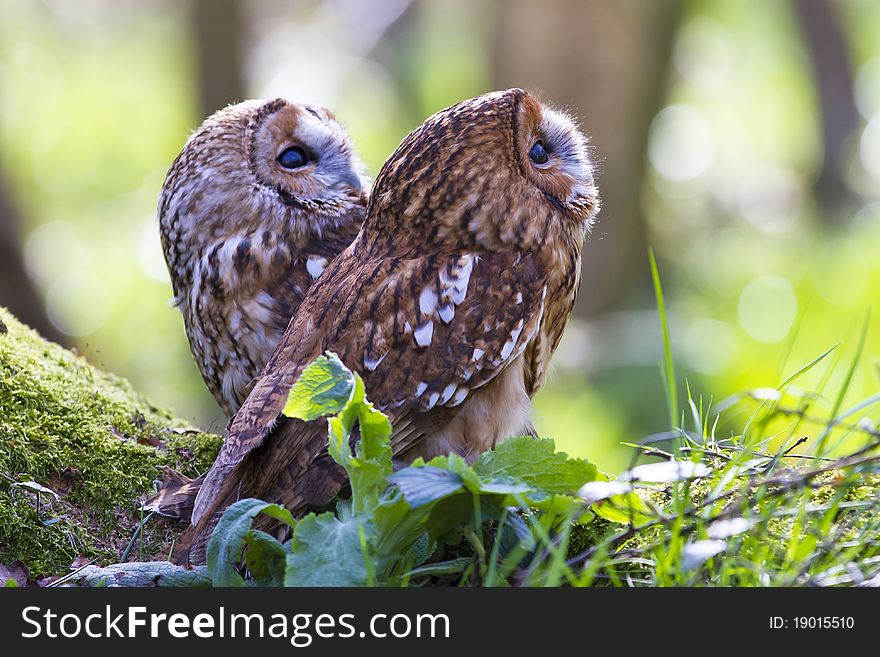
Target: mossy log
[[79, 451]]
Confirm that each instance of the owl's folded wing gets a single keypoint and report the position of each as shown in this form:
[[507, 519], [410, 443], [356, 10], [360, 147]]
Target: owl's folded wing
[[441, 328], [423, 332]]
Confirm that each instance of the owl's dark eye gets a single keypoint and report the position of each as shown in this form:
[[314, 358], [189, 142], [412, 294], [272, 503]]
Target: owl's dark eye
[[293, 158], [537, 154]]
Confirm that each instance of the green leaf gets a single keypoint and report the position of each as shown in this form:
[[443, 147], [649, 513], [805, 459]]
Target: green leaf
[[324, 388], [230, 535], [564, 506], [327, 387], [505, 486], [426, 484], [451, 567], [265, 559], [372, 464], [142, 574], [624, 509], [535, 462], [455, 463], [375, 427], [398, 526], [327, 552]]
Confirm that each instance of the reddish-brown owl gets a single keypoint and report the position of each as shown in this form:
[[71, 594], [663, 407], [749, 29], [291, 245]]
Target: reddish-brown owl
[[262, 197], [449, 303]]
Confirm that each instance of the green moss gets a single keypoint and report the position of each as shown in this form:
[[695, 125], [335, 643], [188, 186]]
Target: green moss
[[88, 436]]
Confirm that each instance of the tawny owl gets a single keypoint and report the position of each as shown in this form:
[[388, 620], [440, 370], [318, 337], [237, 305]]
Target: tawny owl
[[263, 195], [449, 303]]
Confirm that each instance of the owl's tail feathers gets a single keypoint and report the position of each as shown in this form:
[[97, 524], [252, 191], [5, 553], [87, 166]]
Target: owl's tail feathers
[[291, 468], [176, 497]]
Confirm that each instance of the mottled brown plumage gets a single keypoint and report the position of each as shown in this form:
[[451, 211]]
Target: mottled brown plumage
[[449, 303], [245, 236]]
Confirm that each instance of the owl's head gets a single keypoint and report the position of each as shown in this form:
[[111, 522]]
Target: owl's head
[[501, 170], [262, 165]]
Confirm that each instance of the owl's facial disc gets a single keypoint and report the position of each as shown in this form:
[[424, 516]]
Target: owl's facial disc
[[303, 153], [555, 158]]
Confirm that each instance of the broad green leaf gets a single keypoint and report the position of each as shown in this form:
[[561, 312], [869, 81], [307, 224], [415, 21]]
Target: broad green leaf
[[615, 501], [367, 472], [398, 526], [535, 462], [229, 537], [451, 567], [564, 506], [327, 387], [324, 388], [142, 574], [455, 463], [327, 552], [375, 427], [265, 559], [426, 484], [624, 509], [505, 486], [338, 446], [515, 534]]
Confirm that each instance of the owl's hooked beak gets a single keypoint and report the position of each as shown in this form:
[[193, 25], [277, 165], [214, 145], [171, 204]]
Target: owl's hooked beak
[[350, 179]]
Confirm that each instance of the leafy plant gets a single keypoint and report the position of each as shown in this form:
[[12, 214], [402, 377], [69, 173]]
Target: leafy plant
[[712, 511], [397, 527]]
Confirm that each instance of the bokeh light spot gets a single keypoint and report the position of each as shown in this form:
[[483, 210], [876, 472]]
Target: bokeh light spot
[[767, 308], [682, 145], [869, 147], [708, 346], [78, 303]]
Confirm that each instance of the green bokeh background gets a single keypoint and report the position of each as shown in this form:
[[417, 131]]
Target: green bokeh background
[[99, 96]]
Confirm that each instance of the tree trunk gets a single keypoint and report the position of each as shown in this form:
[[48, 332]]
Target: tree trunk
[[834, 85], [217, 27]]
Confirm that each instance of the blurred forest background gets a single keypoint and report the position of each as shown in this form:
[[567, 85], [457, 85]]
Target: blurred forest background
[[740, 138]]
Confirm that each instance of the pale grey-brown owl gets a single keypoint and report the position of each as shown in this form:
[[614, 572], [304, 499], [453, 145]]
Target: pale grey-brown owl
[[449, 303], [261, 198]]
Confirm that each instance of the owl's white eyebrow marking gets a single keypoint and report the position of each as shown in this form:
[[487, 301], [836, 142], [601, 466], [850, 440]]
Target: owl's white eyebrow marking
[[372, 363], [424, 333], [315, 265]]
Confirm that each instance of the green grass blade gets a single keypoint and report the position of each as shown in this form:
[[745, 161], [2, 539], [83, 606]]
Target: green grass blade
[[669, 369], [844, 388]]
